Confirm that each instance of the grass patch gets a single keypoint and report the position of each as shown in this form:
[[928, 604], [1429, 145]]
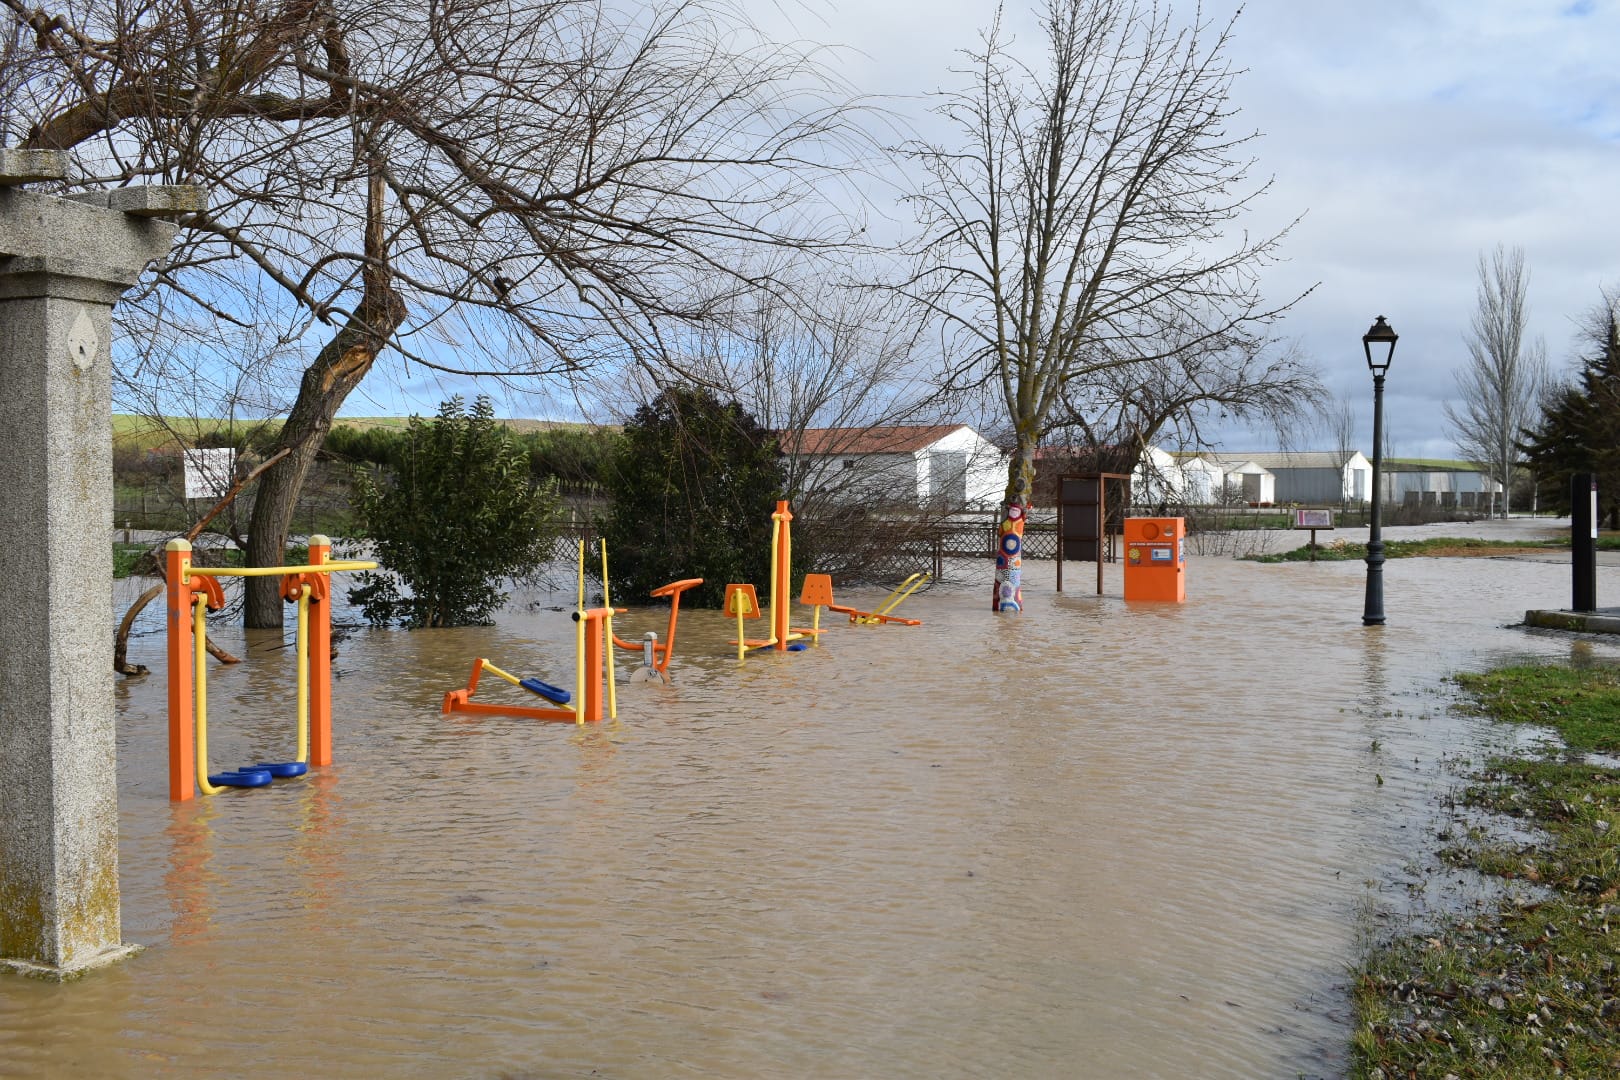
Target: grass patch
[[1582, 704], [126, 557], [145, 559], [1530, 988], [1435, 547]]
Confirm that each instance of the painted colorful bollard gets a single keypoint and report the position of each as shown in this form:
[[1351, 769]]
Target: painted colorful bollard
[[1009, 594]]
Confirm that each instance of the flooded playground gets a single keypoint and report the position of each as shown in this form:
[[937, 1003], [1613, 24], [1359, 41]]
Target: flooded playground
[[1094, 840]]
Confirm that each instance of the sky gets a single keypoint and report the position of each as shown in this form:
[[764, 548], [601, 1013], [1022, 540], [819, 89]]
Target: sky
[[1412, 135]]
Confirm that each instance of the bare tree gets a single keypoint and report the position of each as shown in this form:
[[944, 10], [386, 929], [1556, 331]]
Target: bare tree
[[1500, 386], [1113, 414], [837, 353], [519, 188], [1077, 225], [1338, 421]]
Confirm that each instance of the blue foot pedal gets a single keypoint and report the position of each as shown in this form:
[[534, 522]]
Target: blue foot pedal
[[545, 690], [281, 769], [241, 778]]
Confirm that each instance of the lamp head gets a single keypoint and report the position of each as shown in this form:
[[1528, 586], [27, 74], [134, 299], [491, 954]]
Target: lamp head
[[1379, 345]]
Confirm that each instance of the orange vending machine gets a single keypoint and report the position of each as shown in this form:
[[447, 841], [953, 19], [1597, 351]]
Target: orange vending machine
[[1155, 559]]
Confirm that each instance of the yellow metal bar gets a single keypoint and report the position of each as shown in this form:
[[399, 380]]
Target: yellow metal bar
[[303, 674], [276, 571], [607, 644], [893, 600], [507, 675], [199, 660], [582, 575], [776, 551]]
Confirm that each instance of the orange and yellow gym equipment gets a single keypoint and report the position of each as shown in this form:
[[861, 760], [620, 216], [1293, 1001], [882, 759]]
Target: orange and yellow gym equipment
[[593, 634], [190, 592], [818, 594], [657, 654], [783, 637]]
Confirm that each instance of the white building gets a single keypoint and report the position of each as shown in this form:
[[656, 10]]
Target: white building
[[1438, 483], [943, 466], [1315, 477], [1201, 479]]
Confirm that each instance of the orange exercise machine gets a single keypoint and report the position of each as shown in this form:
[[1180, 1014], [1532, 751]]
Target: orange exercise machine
[[191, 591], [593, 662], [657, 654], [742, 602], [818, 594]]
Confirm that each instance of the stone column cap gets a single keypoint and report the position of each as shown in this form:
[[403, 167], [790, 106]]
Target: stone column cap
[[150, 200], [28, 166], [106, 238]]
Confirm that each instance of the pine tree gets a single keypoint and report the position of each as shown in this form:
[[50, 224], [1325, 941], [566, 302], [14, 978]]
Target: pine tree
[[1580, 426]]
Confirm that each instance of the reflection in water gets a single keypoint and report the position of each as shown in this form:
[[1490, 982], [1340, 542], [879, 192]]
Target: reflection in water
[[189, 883], [1099, 839]]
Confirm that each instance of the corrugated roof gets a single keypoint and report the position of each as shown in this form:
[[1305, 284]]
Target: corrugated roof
[[1298, 459], [891, 439]]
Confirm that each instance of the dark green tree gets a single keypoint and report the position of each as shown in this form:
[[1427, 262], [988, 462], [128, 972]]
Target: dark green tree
[[694, 483], [458, 517], [1580, 424]]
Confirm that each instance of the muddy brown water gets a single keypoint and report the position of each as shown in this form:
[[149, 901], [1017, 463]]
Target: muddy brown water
[[1097, 840]]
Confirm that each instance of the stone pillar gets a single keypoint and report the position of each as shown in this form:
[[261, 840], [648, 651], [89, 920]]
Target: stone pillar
[[63, 264]]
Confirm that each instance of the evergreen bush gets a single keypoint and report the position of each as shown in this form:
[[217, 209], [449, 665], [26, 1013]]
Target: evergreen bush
[[693, 484], [458, 516]]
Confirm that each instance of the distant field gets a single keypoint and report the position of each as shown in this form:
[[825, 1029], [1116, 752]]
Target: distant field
[[146, 431]]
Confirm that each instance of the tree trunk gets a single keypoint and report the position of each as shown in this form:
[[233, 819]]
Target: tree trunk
[[1009, 586], [337, 370]]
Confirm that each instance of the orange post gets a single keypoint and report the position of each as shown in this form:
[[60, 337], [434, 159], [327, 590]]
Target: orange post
[[782, 571], [320, 655], [589, 701], [182, 727]]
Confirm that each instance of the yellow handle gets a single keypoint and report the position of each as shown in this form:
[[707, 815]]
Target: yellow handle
[[199, 638], [276, 571]]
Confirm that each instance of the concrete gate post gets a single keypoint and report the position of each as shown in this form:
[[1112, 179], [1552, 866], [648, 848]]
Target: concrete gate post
[[63, 263]]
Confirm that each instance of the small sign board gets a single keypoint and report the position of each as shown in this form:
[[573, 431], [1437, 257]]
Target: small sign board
[[209, 472], [1313, 519]]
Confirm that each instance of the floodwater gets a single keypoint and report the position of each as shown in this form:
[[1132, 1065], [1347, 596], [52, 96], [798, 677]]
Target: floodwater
[[1096, 840]]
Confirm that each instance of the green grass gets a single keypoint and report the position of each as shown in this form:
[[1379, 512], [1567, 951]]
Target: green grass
[[1582, 704], [1343, 550], [144, 559], [1529, 988], [126, 557]]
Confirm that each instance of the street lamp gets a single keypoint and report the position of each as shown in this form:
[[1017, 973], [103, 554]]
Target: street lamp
[[1379, 345]]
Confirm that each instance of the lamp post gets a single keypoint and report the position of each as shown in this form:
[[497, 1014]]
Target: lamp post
[[1379, 345]]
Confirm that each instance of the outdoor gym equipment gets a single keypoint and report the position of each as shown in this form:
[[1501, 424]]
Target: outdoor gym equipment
[[818, 594], [655, 654], [743, 603], [191, 591], [593, 628], [593, 660]]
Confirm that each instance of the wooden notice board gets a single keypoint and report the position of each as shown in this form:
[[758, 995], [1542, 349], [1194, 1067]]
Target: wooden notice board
[[1082, 519]]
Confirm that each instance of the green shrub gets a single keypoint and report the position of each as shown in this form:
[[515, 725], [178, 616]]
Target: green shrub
[[457, 518], [694, 483]]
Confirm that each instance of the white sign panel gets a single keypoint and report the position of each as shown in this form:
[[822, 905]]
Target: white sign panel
[[209, 472]]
